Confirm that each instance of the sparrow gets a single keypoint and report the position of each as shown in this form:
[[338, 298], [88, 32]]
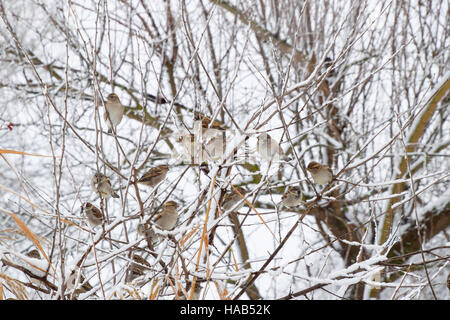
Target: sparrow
[[231, 198], [145, 230], [102, 185], [154, 176], [33, 253], [72, 281], [320, 173], [167, 218], [292, 197], [114, 111], [267, 148], [137, 268], [93, 214]]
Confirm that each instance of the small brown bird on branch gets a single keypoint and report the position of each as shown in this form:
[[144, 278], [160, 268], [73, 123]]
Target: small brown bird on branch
[[114, 111], [292, 197], [320, 173], [154, 176], [93, 214], [102, 185]]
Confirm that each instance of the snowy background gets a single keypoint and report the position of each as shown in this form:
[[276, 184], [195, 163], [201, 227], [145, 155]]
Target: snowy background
[[361, 86]]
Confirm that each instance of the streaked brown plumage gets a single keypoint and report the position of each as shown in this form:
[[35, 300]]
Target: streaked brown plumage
[[102, 185], [33, 253], [167, 218], [72, 281], [231, 198], [137, 268], [93, 214], [292, 197], [154, 176], [320, 173]]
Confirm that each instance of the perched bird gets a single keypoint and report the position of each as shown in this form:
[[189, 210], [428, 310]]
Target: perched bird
[[267, 148], [77, 279], [93, 214], [320, 173], [102, 185], [33, 253], [231, 198], [155, 175], [167, 218], [292, 197], [114, 111], [145, 230], [137, 268]]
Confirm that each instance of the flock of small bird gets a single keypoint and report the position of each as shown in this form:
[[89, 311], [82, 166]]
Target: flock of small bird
[[167, 218]]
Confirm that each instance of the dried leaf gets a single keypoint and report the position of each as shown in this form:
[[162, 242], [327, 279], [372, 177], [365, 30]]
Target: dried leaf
[[24, 153], [30, 235]]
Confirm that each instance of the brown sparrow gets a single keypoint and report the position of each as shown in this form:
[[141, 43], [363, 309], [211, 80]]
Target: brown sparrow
[[231, 198], [102, 185], [72, 281], [137, 268], [145, 230], [267, 148], [93, 214], [292, 197], [167, 218], [33, 253], [320, 173], [114, 111], [155, 175]]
